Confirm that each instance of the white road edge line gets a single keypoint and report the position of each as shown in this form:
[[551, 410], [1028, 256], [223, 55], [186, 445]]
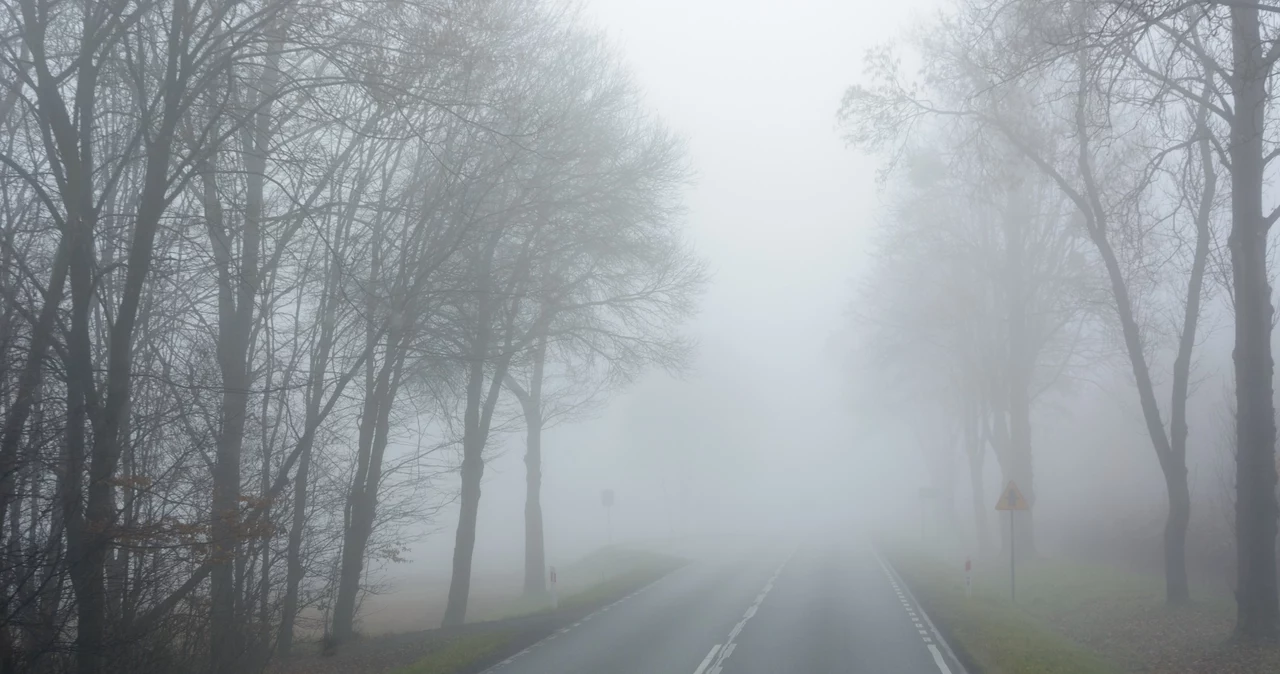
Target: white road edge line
[[897, 581], [939, 660], [706, 662], [564, 630]]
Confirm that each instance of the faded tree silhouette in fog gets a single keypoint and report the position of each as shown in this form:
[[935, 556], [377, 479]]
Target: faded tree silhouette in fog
[[1151, 121], [977, 306]]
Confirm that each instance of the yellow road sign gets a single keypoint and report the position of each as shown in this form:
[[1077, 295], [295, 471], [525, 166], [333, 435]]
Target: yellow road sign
[[1012, 499]]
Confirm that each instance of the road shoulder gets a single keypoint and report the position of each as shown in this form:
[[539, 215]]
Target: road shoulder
[[474, 647]]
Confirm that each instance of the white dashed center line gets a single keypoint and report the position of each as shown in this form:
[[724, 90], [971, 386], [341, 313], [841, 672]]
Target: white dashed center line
[[706, 662], [719, 654]]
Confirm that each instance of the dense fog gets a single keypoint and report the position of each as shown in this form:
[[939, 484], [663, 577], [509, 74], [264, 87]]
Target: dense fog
[[758, 432], [335, 322]]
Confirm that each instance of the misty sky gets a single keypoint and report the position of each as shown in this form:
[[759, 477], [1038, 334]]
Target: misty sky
[[782, 212]]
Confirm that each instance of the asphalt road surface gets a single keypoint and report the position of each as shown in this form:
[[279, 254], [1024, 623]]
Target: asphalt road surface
[[762, 610]]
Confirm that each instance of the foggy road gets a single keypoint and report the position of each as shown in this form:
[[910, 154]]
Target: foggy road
[[816, 609]]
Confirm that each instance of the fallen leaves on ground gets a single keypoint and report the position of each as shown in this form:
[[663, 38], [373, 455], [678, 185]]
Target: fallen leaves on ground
[[1148, 637]]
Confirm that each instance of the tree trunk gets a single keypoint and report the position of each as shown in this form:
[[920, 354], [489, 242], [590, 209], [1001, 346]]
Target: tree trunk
[[978, 491], [1020, 462], [350, 566], [24, 399], [238, 281], [476, 418], [474, 438], [475, 435], [31, 378], [235, 317], [293, 554], [87, 518], [1177, 586], [353, 543], [465, 540], [1177, 590], [535, 561], [1257, 601], [320, 358], [1020, 366], [363, 501], [535, 558]]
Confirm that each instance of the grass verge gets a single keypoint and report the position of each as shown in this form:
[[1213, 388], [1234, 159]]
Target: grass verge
[[456, 654], [1079, 617], [614, 572], [483, 643], [992, 635], [617, 586]]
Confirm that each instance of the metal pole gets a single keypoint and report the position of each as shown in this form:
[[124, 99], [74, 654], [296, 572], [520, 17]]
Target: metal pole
[[1013, 586]]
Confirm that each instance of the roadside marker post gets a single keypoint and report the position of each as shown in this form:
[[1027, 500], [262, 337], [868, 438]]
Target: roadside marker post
[[968, 577], [1012, 500], [555, 596]]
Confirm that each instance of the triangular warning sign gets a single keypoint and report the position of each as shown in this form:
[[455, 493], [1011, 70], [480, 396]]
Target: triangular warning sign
[[1012, 499]]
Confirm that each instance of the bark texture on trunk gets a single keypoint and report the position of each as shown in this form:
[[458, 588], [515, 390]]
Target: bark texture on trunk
[[1257, 602]]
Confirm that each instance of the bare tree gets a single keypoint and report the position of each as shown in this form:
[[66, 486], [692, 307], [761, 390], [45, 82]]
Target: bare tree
[[978, 310], [1075, 135], [584, 259], [245, 248]]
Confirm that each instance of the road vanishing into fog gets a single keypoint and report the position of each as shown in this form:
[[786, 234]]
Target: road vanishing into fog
[[762, 610]]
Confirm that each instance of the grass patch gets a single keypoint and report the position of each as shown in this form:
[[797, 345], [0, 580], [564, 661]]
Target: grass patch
[[1079, 617], [622, 570], [455, 654], [1067, 588], [616, 586], [995, 635], [607, 573], [612, 561]]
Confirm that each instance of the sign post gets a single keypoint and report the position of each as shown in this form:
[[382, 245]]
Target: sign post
[[1012, 500], [968, 577], [606, 499], [555, 596]]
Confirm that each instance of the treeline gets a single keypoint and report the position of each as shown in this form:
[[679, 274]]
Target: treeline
[[271, 274], [1080, 183]]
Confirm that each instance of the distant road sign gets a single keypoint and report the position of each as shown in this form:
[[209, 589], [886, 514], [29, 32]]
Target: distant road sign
[[1012, 499], [606, 497], [928, 492]]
